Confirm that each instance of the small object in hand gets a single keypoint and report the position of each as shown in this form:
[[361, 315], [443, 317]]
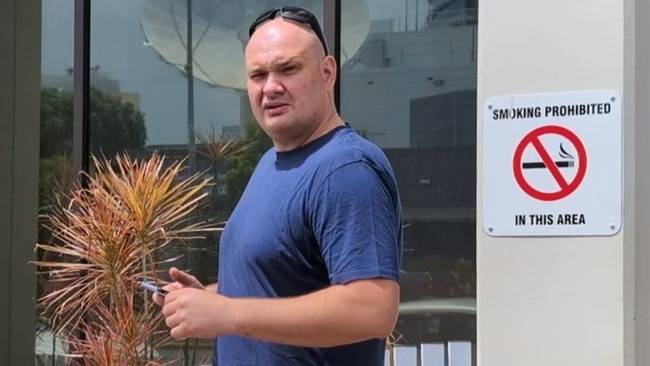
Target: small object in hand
[[152, 287]]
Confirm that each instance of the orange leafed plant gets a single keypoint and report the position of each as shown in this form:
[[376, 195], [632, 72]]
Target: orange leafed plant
[[109, 234]]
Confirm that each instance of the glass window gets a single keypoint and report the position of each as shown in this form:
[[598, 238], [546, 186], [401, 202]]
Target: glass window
[[146, 97], [410, 87], [408, 83], [57, 53]]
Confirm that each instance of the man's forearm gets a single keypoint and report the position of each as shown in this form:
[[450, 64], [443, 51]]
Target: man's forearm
[[337, 315]]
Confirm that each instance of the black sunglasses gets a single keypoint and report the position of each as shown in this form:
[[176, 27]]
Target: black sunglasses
[[296, 14]]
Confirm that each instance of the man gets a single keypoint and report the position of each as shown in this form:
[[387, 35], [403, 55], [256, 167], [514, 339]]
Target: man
[[309, 259]]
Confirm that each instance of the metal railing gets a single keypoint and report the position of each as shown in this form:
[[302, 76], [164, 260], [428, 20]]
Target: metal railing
[[425, 20], [455, 353]]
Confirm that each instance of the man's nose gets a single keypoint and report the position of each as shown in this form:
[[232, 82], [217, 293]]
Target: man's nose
[[273, 85]]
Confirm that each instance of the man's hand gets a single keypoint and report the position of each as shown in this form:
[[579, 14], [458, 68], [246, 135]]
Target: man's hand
[[181, 280], [339, 314], [194, 313]]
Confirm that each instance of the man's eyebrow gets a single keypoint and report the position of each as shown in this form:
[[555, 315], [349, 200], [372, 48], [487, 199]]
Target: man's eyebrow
[[282, 63], [277, 64], [255, 69]]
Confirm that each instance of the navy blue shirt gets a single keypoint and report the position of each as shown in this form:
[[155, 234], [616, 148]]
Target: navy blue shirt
[[326, 213]]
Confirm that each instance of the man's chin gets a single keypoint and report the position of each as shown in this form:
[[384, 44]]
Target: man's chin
[[279, 129], [280, 123]]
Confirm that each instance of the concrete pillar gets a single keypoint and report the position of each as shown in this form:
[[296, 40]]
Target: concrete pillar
[[567, 300], [638, 80]]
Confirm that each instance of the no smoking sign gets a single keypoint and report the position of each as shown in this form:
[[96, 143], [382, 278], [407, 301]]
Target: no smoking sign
[[552, 164], [576, 163]]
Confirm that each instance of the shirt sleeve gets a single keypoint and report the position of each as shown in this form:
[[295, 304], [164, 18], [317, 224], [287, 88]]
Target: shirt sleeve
[[357, 221]]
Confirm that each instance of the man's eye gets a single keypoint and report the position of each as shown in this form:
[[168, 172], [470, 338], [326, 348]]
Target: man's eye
[[289, 69], [257, 76]]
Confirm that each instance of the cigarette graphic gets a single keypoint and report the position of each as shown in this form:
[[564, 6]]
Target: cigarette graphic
[[541, 165], [560, 164]]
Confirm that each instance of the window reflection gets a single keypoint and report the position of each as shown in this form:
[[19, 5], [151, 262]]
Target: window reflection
[[411, 89], [55, 165]]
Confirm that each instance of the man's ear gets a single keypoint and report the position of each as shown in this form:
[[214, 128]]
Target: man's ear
[[329, 70]]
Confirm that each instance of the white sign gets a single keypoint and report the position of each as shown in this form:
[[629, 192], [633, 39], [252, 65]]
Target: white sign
[[552, 164]]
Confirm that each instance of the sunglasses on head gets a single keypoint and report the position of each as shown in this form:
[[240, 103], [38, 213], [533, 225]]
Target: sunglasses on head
[[296, 14]]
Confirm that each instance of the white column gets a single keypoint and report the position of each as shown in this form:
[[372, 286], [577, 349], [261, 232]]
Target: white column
[[639, 79], [561, 301]]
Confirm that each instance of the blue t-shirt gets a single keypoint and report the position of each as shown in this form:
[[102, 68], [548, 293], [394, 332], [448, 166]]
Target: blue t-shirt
[[326, 213]]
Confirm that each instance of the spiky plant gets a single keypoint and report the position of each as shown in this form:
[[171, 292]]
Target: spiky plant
[[108, 236], [391, 342], [218, 151], [217, 148], [120, 336]]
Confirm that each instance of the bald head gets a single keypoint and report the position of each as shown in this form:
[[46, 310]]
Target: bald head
[[280, 33], [280, 42], [290, 82]]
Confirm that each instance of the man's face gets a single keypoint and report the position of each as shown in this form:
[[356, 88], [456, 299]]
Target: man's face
[[287, 81]]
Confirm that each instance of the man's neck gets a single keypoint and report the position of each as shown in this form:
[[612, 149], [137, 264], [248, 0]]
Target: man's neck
[[333, 121]]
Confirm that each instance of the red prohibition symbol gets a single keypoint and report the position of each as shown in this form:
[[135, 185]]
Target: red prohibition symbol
[[565, 187]]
